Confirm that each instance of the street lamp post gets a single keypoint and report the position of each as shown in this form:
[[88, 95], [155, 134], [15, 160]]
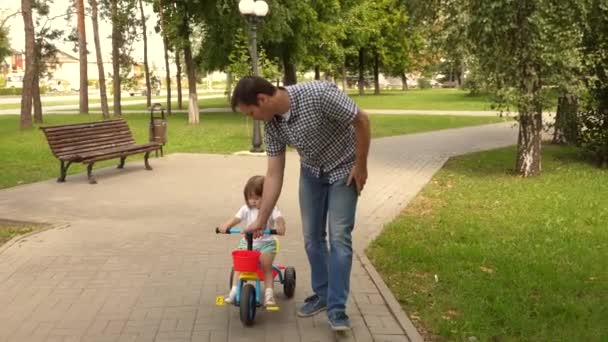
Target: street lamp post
[[254, 11]]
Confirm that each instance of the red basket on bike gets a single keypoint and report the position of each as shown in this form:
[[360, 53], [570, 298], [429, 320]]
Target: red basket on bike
[[245, 261]]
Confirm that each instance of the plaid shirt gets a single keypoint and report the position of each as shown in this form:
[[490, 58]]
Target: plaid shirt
[[319, 126]]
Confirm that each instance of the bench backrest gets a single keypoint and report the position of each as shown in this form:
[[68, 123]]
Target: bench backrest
[[72, 139]]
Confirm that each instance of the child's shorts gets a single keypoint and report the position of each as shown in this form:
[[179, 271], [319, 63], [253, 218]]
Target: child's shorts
[[263, 246]]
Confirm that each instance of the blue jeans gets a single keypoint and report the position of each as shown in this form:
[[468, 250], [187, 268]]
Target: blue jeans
[[327, 207]]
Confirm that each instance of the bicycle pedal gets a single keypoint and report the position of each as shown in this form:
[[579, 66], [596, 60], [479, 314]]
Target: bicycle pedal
[[272, 308], [219, 301]]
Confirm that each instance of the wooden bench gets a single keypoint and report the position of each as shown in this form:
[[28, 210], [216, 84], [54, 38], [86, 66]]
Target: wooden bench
[[91, 142]]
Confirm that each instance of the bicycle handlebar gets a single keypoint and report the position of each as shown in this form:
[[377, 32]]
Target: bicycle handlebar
[[239, 230]]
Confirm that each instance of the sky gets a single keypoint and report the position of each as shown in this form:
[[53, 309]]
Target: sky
[[155, 43]]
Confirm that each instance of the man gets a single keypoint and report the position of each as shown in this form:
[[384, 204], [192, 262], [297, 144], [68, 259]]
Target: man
[[332, 137]]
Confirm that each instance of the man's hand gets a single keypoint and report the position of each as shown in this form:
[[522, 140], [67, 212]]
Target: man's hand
[[362, 140], [223, 228], [359, 176], [256, 228]]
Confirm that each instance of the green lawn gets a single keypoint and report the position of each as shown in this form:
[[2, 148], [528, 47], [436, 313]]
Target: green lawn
[[27, 158], [219, 102], [482, 253], [427, 99], [48, 101]]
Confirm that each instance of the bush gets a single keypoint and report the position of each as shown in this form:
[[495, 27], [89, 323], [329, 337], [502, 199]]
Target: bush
[[18, 91], [593, 135], [10, 91], [424, 83]]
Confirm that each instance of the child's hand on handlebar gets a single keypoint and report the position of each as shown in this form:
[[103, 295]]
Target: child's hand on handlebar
[[223, 228]]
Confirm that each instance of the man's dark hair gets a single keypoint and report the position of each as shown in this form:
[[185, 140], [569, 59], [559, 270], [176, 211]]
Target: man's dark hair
[[247, 90]]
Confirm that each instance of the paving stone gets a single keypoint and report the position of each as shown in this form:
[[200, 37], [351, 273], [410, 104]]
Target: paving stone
[[139, 259]]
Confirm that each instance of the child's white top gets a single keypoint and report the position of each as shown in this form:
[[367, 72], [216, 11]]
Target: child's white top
[[249, 215]]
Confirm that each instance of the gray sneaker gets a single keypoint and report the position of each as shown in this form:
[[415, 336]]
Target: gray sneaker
[[338, 321], [312, 306]]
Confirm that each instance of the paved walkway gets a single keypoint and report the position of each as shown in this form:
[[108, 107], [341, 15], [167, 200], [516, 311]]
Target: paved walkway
[[136, 258]]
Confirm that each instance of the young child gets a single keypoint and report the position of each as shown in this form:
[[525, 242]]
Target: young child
[[266, 244]]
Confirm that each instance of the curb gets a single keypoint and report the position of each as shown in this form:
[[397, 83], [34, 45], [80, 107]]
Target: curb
[[17, 239], [406, 324]]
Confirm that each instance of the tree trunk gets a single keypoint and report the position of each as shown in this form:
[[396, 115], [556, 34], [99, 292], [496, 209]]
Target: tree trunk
[[116, 57], [376, 73], [461, 75], [289, 69], [36, 82], [529, 145], [290, 74], [229, 86], [36, 94], [566, 123], [451, 73], [317, 73], [167, 75], [193, 111], [28, 77], [344, 83], [100, 70], [146, 68], [178, 78], [361, 75], [403, 81], [530, 125], [82, 49], [166, 48]]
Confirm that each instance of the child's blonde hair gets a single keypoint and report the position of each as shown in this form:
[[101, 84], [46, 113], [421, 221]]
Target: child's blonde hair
[[254, 186]]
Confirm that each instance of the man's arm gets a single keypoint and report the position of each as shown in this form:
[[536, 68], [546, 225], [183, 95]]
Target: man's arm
[[272, 189], [362, 141]]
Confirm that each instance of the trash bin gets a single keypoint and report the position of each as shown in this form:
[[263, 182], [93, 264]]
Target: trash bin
[[158, 126]]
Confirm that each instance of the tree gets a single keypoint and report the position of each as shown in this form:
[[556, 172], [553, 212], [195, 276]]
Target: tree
[[45, 52], [122, 14], [520, 46], [117, 41], [397, 42], [453, 41], [30, 60], [162, 28], [594, 118], [361, 20], [82, 49], [184, 31], [146, 69], [5, 46], [100, 69], [178, 78]]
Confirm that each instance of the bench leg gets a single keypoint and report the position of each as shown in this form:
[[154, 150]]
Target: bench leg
[[90, 174], [146, 156], [64, 170], [122, 163]]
